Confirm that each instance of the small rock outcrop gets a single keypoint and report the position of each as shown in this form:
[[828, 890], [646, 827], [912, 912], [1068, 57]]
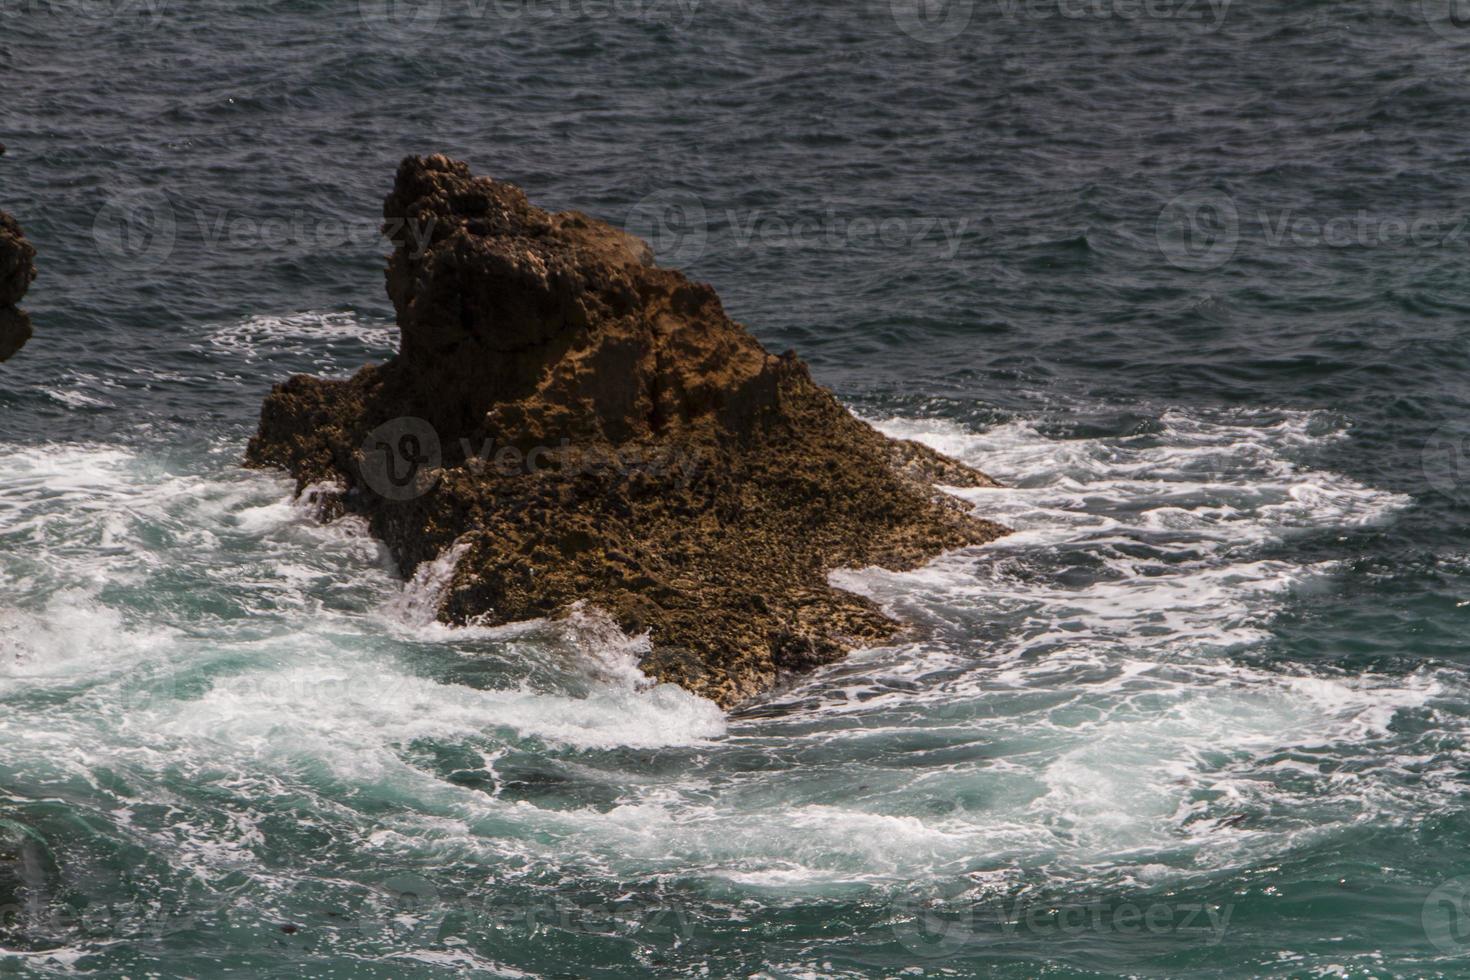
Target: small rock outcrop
[[579, 424], [17, 269]]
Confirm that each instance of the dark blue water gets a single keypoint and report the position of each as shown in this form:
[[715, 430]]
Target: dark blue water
[[1192, 279]]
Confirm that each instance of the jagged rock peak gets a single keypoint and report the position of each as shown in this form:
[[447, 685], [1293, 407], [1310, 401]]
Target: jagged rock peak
[[581, 426]]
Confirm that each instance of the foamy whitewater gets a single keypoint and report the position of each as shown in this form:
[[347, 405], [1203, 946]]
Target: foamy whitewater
[[262, 726], [1189, 277]]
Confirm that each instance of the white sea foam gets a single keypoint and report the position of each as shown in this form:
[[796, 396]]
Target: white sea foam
[[1131, 729], [306, 332], [1075, 704], [103, 517], [417, 605], [357, 720]]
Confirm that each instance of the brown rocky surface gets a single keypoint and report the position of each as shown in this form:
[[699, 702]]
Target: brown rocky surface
[[585, 425], [17, 269]]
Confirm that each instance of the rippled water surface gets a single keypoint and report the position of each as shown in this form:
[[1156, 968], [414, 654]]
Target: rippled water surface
[[1193, 283]]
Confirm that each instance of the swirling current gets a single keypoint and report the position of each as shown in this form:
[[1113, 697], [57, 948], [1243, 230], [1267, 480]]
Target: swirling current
[[1190, 278]]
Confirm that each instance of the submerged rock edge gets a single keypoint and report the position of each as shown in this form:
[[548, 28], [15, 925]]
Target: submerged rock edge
[[723, 485], [17, 271]]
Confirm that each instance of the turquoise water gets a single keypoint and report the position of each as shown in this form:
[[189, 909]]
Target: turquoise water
[[1205, 713]]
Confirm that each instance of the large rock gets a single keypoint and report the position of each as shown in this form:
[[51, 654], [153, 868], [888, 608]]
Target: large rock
[[580, 424], [17, 269]]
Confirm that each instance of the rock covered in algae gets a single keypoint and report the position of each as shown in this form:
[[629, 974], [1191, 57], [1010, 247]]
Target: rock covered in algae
[[582, 425]]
